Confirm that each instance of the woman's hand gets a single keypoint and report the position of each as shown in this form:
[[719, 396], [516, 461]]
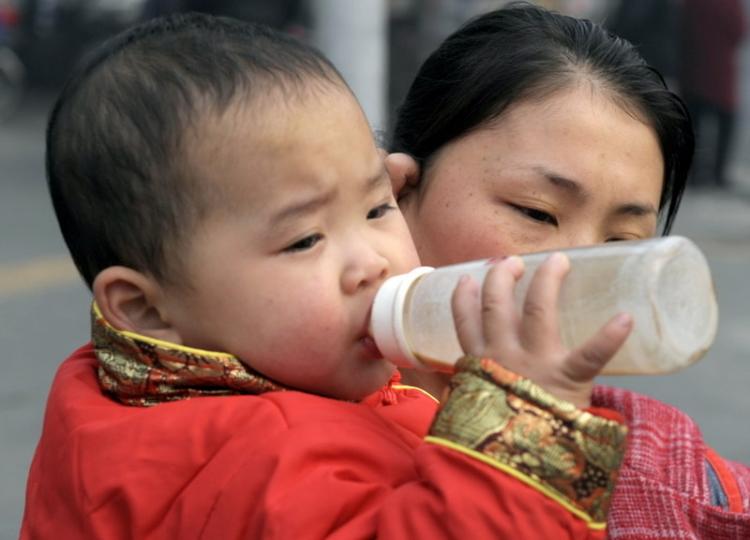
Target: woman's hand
[[527, 341]]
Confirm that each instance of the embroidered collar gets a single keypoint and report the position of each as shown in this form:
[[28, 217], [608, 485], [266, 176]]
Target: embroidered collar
[[142, 371]]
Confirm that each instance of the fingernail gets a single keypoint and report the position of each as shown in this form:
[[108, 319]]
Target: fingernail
[[624, 319], [463, 279], [560, 258], [495, 260], [514, 261]]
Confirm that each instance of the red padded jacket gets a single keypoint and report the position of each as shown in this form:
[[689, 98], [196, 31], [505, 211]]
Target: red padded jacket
[[281, 464]]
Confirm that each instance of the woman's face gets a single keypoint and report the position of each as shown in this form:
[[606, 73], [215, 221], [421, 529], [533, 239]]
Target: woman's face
[[572, 170]]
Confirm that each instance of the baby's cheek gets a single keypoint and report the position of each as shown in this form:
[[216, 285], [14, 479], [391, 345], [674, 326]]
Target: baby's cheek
[[318, 326]]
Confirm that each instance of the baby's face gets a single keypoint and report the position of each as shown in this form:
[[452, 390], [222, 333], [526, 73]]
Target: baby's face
[[283, 272]]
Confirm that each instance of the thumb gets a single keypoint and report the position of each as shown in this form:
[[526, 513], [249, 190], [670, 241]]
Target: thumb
[[585, 363]]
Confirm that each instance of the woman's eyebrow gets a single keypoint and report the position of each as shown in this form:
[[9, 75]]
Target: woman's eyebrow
[[576, 190], [559, 181], [636, 209]]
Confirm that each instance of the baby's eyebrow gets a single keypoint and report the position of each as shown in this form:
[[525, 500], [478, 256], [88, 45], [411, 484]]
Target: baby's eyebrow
[[303, 206], [318, 200], [377, 180]]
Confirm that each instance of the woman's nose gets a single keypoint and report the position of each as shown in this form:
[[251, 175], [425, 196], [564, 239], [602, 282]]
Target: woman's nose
[[582, 237], [364, 267]]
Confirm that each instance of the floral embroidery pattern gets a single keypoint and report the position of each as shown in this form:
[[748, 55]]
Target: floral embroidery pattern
[[139, 371], [516, 423]]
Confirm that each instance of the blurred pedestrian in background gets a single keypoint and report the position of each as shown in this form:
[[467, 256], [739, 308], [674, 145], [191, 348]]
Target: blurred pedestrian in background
[[12, 71], [712, 31], [291, 16], [652, 26]]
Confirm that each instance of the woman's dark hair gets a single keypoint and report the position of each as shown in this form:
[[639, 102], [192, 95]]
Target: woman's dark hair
[[116, 159], [524, 52]]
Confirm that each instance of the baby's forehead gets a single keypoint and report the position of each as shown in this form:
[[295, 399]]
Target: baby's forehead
[[277, 143], [274, 119]]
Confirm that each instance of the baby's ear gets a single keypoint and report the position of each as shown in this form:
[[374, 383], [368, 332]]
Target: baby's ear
[[132, 301], [404, 172]]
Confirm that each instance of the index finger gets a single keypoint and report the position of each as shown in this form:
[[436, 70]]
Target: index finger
[[499, 314], [539, 315]]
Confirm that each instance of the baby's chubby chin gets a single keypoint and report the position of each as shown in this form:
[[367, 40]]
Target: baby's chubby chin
[[374, 371], [376, 379], [348, 385]]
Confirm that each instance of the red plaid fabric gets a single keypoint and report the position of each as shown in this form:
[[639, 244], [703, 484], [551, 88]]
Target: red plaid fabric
[[664, 490]]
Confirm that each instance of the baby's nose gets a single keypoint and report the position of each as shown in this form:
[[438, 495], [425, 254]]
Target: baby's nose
[[365, 268]]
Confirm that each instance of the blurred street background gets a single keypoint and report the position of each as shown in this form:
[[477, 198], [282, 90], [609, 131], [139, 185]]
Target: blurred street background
[[378, 45]]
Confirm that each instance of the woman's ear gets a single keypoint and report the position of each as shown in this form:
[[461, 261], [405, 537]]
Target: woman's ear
[[404, 172], [132, 301]]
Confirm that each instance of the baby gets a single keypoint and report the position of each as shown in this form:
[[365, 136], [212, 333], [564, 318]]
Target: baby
[[220, 191]]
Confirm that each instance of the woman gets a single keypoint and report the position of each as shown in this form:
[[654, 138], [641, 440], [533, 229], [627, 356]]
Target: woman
[[527, 131]]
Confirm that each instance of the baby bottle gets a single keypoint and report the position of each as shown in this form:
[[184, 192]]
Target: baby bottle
[[664, 283]]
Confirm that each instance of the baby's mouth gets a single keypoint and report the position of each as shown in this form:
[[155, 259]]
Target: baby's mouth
[[369, 345]]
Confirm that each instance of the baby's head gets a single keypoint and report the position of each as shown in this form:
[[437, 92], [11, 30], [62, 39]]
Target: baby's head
[[218, 187]]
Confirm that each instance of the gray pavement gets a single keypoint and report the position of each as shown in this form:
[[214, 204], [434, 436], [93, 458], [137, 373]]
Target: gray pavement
[[43, 308], [42, 304]]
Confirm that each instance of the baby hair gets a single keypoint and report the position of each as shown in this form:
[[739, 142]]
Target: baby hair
[[116, 139]]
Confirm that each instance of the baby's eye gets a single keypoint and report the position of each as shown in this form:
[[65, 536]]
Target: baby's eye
[[536, 215], [380, 211], [308, 242]]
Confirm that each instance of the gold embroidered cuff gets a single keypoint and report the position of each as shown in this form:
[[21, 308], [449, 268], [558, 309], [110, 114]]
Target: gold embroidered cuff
[[573, 455]]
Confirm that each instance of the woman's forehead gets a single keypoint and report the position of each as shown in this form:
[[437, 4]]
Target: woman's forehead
[[588, 139]]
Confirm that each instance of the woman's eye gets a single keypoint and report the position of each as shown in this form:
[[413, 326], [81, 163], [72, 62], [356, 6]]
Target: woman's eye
[[380, 211], [308, 242], [536, 215]]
